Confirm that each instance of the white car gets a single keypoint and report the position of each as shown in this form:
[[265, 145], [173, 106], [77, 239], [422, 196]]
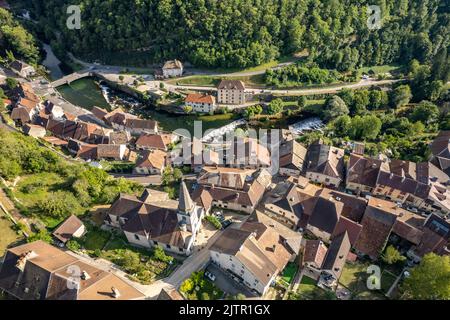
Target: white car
[[210, 276]]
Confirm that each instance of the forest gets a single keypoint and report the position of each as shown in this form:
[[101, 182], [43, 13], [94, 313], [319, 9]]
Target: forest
[[244, 33]]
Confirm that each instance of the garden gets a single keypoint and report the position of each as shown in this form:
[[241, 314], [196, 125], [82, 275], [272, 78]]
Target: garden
[[197, 287], [308, 290], [141, 265]]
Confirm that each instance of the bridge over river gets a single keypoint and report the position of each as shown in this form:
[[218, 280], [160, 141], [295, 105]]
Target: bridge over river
[[72, 77]]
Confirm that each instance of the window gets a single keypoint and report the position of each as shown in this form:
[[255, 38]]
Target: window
[[168, 247], [181, 249], [136, 237]]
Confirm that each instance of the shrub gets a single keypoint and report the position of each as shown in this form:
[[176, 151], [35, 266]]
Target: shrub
[[160, 255], [214, 221]]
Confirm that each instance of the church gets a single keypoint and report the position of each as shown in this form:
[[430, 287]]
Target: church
[[155, 220]]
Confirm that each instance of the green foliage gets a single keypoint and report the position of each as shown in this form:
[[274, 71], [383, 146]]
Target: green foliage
[[59, 204], [275, 106], [297, 75], [252, 111], [334, 107], [16, 40], [401, 96], [187, 109], [197, 287], [160, 255], [73, 245], [426, 112], [243, 33], [392, 255], [42, 234], [430, 280], [214, 221], [187, 286], [11, 83]]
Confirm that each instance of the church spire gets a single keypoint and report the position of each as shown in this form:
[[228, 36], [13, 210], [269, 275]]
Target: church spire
[[185, 204]]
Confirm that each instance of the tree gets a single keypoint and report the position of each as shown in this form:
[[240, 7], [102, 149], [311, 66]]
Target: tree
[[430, 280], [302, 101], [401, 96], [426, 112], [59, 204], [42, 234], [334, 107], [360, 102], [187, 286], [392, 255], [275, 106], [187, 109], [11, 83], [121, 78]]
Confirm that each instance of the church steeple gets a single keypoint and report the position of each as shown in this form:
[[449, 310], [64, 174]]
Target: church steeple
[[185, 204]]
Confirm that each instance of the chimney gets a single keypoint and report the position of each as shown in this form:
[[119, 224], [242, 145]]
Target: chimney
[[115, 293], [21, 262], [85, 275]]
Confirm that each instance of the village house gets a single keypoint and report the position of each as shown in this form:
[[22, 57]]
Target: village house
[[314, 253], [111, 151], [25, 111], [231, 188], [334, 261], [362, 173], [155, 141], [325, 164], [72, 227], [440, 151], [254, 254], [22, 69], [170, 294], [231, 92], [155, 220], [34, 130], [172, 68], [325, 213], [39, 271], [292, 156], [247, 153], [150, 162], [201, 103], [420, 185], [138, 127]]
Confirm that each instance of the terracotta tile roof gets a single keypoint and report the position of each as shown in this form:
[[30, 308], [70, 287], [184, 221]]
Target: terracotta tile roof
[[119, 137], [153, 141], [55, 141], [362, 170], [99, 113], [325, 214], [141, 124], [292, 155], [315, 252], [109, 151], [352, 228], [53, 267], [337, 255], [326, 160], [67, 229], [151, 159], [377, 224], [200, 98], [170, 294], [88, 152]]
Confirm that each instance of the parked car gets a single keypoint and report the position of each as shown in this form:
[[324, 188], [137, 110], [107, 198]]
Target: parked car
[[226, 223], [210, 276]]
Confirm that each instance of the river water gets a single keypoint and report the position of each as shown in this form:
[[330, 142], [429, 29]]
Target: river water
[[52, 63]]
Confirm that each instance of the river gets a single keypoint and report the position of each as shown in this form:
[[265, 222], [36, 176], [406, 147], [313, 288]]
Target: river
[[52, 63]]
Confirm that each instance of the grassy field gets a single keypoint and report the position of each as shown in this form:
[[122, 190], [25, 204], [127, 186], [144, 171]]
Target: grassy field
[[308, 290], [354, 277], [8, 235], [392, 68], [212, 81], [34, 188], [289, 272]]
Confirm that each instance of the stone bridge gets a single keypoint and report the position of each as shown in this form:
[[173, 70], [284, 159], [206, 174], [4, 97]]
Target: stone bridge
[[72, 77]]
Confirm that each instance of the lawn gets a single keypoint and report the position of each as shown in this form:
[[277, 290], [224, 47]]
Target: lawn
[[289, 272], [354, 277], [8, 235], [308, 290], [213, 81]]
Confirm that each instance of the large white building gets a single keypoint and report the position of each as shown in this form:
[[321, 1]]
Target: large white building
[[201, 103], [254, 254]]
